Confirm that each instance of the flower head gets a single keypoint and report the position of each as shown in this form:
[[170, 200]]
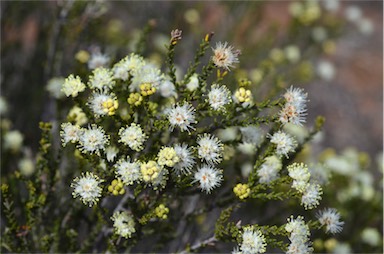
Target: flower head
[[295, 108], [243, 96], [70, 133], [150, 171], [13, 140], [111, 152], [103, 104], [167, 157], [269, 170], [54, 87], [133, 136], [149, 75], [210, 148], [167, 89], [182, 116], [218, 97], [299, 236], [77, 115], [311, 196], [208, 178], [242, 190], [186, 159], [72, 86], [128, 171], [87, 188], [225, 56], [101, 79], [97, 60], [253, 241], [284, 143], [300, 175], [330, 218], [128, 66], [193, 83], [123, 224], [93, 139]]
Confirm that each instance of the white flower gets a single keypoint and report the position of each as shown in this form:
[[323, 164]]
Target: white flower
[[319, 174], [210, 148], [311, 196], [93, 139], [186, 159], [127, 171], [371, 236], [299, 236], [154, 174], [77, 115], [13, 140], [331, 5], [193, 83], [97, 60], [366, 26], [236, 250], [111, 152], [331, 219], [70, 133], [325, 70], [218, 97], [54, 87], [72, 86], [128, 65], [208, 178], [167, 89], [103, 104], [319, 34], [284, 143], [247, 148], [227, 134], [253, 241], [3, 106], [148, 74], [87, 188], [133, 136], [182, 116], [101, 79], [296, 96], [295, 108], [251, 134], [353, 13], [292, 53], [123, 224], [269, 170], [224, 56], [167, 156], [26, 166], [300, 175]]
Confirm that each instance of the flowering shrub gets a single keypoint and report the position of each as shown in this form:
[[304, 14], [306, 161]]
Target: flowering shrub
[[147, 157]]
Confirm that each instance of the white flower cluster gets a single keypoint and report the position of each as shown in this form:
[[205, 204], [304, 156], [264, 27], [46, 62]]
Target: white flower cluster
[[269, 170], [124, 224], [299, 236], [284, 142], [330, 218], [295, 108], [253, 241]]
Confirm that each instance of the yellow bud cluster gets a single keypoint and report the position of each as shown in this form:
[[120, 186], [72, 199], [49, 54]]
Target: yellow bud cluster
[[243, 95], [135, 99], [147, 89], [242, 190], [162, 211], [116, 187], [244, 82], [168, 157], [150, 171], [110, 106], [82, 56]]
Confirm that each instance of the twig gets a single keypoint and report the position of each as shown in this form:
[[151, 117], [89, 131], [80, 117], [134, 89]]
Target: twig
[[198, 245]]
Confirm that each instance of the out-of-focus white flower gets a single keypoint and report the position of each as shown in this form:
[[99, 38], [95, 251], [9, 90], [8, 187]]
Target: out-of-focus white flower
[[129, 65], [331, 5], [330, 218], [98, 60], [182, 116], [13, 140], [54, 87], [371, 236], [167, 89], [353, 13], [148, 74], [246, 169], [247, 148], [193, 83], [26, 166], [77, 115], [319, 34], [253, 241], [292, 53], [269, 170], [133, 136], [225, 56], [210, 148], [3, 106], [123, 224], [87, 188], [365, 26], [326, 70], [342, 248], [299, 132], [208, 177], [319, 174], [227, 134], [252, 134], [300, 175]]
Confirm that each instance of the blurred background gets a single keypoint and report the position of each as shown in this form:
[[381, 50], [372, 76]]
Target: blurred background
[[41, 40]]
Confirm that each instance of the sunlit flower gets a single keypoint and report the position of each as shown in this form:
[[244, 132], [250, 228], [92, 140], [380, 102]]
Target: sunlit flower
[[208, 178], [101, 79], [300, 175], [167, 156], [225, 56], [284, 143], [193, 83], [186, 159], [253, 241], [269, 170], [73, 86], [123, 224], [128, 171], [128, 66], [133, 136], [111, 152], [330, 218], [210, 148], [182, 116], [167, 89], [103, 104], [97, 60], [93, 139], [87, 188], [13, 140], [219, 96], [77, 115], [311, 196], [70, 133]]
